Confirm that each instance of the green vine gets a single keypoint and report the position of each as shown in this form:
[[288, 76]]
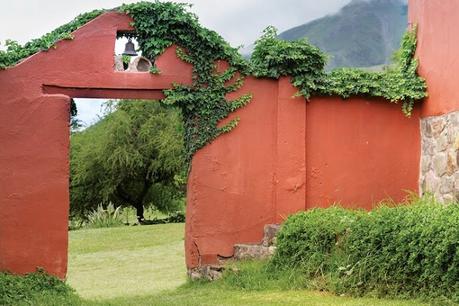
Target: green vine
[[15, 52], [158, 26], [305, 63], [204, 103]]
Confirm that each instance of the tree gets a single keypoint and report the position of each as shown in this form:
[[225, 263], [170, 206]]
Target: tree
[[133, 156]]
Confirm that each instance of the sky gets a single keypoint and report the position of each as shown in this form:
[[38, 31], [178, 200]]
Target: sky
[[240, 22]]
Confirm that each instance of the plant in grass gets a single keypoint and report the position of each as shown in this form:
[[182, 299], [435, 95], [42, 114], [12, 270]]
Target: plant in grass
[[105, 217]]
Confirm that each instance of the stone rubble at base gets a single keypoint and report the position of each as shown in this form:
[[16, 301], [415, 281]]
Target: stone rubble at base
[[263, 250]]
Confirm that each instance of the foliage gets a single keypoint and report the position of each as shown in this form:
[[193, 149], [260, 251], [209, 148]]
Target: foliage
[[134, 156], [16, 52], [74, 123], [204, 104], [274, 57], [404, 251], [109, 217], [308, 238], [126, 59], [34, 288]]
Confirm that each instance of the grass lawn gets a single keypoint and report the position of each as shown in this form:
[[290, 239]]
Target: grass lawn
[[144, 265], [126, 261]]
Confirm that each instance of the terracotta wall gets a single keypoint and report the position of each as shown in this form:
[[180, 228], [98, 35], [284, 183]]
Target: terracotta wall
[[286, 154], [439, 63], [438, 45], [34, 135], [359, 152]]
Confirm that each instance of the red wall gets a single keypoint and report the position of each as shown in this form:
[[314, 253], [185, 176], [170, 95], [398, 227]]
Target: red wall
[[285, 155], [438, 45], [359, 152], [288, 155], [34, 135]]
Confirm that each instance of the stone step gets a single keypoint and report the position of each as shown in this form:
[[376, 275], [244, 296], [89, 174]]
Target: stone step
[[252, 251], [270, 233], [263, 250]]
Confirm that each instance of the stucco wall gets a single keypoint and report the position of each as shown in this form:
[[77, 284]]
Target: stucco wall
[[286, 154], [438, 45], [34, 135], [359, 152]]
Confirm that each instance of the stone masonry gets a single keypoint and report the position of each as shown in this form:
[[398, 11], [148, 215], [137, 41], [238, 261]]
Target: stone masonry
[[440, 157], [262, 250]]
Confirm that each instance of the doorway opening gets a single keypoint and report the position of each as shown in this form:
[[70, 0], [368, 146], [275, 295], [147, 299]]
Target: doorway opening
[[127, 197], [127, 163]]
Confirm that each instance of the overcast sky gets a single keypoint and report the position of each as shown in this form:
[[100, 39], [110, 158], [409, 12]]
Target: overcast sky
[[239, 21]]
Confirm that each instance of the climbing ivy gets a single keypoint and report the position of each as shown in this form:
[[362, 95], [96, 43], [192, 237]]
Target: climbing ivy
[[15, 52], [273, 57], [158, 26], [204, 103]]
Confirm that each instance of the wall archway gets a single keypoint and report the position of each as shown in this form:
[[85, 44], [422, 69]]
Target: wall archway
[[285, 156]]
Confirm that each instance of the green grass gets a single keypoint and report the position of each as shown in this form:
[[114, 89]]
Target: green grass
[[126, 261], [144, 265], [209, 295]]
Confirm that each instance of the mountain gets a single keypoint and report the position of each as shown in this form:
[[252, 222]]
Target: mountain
[[364, 33]]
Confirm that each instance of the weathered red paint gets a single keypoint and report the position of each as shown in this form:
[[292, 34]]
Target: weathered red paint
[[286, 154], [359, 152], [34, 135], [438, 46]]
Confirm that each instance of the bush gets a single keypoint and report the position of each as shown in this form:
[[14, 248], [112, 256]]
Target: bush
[[310, 239], [404, 251], [109, 217], [36, 288]]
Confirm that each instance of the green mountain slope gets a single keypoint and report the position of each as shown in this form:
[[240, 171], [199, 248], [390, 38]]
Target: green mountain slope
[[364, 33]]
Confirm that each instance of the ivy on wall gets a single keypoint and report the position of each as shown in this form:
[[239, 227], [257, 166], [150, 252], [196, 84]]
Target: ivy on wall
[[204, 103], [15, 52], [273, 57]]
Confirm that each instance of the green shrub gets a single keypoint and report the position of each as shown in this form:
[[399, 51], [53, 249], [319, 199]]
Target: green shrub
[[308, 240], [404, 251], [109, 217], [36, 288], [407, 250]]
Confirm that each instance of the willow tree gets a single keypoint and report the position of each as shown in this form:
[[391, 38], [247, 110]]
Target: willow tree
[[133, 156]]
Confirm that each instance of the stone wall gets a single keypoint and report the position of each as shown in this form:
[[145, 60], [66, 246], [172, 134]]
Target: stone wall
[[440, 156]]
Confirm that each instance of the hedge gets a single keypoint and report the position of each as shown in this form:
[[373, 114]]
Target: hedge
[[405, 251]]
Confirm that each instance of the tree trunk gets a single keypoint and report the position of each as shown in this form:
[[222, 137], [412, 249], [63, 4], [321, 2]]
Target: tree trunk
[[139, 211], [141, 200]]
